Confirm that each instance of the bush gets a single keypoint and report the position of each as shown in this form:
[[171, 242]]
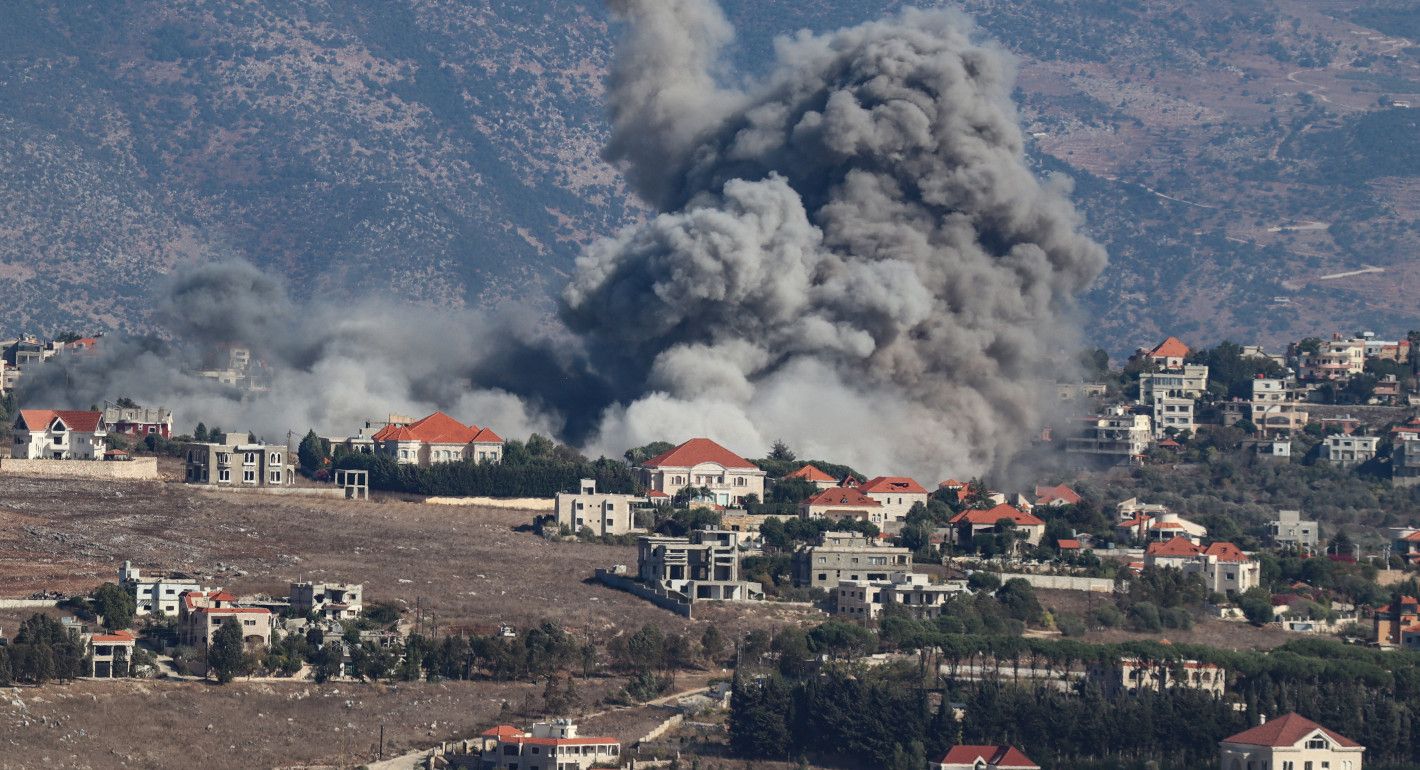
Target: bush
[[1070, 625]]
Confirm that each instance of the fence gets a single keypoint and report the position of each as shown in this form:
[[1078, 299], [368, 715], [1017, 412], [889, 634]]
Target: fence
[[678, 606], [1065, 582], [519, 503]]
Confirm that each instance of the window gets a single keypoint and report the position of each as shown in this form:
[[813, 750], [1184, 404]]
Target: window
[[249, 476], [276, 477], [1317, 743], [275, 458], [224, 474]]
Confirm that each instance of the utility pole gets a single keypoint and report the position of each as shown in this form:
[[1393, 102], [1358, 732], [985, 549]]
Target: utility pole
[[382, 741]]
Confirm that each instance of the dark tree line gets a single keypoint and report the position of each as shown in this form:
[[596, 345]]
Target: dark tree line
[[536, 477], [43, 650]]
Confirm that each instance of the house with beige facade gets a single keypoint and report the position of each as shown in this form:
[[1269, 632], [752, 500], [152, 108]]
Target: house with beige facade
[[1169, 354], [839, 503], [896, 495], [604, 513], [238, 464], [201, 614], [1337, 359], [915, 592], [437, 438], [699, 463], [840, 556], [1290, 742], [974, 521], [812, 474], [1276, 408], [156, 592], [1224, 567], [110, 656], [1133, 675]]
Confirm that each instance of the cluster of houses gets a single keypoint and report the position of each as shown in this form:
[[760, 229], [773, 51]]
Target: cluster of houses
[[1171, 393], [200, 611], [75, 434]]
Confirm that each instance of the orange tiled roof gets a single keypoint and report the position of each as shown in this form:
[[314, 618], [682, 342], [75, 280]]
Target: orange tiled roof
[[893, 484], [1004, 757], [810, 473], [843, 496], [82, 421], [1224, 551], [1003, 511], [437, 428], [1178, 546], [697, 451], [1045, 495], [1172, 347], [1286, 731]]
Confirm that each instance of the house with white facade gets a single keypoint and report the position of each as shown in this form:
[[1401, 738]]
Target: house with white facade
[[1341, 449], [547, 746], [843, 503], [1160, 527], [974, 521], [912, 591], [699, 463], [1189, 381], [1116, 437], [1276, 408], [156, 592], [437, 438], [896, 495], [58, 434], [1223, 566], [1290, 742]]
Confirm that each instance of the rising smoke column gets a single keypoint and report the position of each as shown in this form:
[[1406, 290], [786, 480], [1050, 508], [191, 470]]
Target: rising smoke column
[[851, 254]]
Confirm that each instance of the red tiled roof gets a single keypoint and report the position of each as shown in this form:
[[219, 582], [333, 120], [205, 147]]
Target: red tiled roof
[[1413, 537], [1224, 551], [590, 741], [1068, 544], [437, 428], [695, 452], [656, 493], [117, 637], [501, 731], [893, 484], [1408, 604], [843, 496], [995, 756], [1172, 347], [1177, 546], [41, 419], [1002, 511], [1046, 495], [1286, 731], [810, 473]]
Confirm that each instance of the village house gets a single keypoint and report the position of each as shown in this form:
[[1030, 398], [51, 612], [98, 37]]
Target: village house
[[1133, 675], [201, 614], [843, 503], [1161, 527], [1169, 354], [1223, 566], [973, 521], [1291, 530], [158, 592], [139, 421], [1336, 359], [58, 434], [1406, 541], [437, 438], [1275, 408], [813, 475], [238, 464], [1291, 742], [1397, 624], [915, 592], [110, 656], [1132, 508], [547, 746], [1187, 382], [339, 601], [1116, 437], [896, 495], [841, 556], [604, 513], [1344, 450], [1057, 496], [1405, 462], [704, 566], [699, 463], [983, 758], [1172, 416]]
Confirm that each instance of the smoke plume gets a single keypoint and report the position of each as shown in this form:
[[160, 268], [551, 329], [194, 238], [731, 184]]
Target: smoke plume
[[850, 254]]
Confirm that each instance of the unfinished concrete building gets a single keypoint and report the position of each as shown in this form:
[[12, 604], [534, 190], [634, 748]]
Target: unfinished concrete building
[[340, 601], [704, 566], [841, 556]]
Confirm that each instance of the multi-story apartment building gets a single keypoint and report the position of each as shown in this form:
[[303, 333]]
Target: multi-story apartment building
[[1275, 408], [1116, 437], [1344, 450], [339, 601], [702, 463], [1173, 416], [238, 464], [437, 438], [1291, 742], [1190, 382], [914, 592], [58, 434], [841, 556], [1337, 359], [704, 566], [158, 592], [1290, 529], [604, 513], [1135, 675], [1405, 461]]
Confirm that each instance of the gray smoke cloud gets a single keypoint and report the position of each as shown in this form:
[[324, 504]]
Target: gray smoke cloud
[[852, 254]]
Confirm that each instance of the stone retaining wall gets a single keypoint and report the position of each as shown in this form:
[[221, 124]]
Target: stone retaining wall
[[137, 469]]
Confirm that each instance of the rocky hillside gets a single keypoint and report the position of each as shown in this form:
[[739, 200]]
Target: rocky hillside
[[1243, 160]]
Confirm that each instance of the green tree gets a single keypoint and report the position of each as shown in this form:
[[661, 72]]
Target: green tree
[[781, 451], [200, 432], [225, 656], [115, 605], [711, 642], [311, 453]]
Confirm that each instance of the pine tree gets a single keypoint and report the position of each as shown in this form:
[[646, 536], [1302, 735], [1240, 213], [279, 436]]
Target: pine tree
[[200, 432], [311, 453]]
